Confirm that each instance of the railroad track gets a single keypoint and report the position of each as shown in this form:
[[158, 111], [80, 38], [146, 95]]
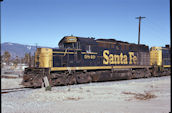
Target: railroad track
[[9, 90]]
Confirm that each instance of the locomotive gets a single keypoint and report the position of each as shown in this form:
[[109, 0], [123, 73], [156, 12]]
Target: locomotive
[[83, 60]]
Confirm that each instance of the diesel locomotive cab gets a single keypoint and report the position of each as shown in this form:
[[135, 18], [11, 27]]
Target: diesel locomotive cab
[[44, 57], [69, 42]]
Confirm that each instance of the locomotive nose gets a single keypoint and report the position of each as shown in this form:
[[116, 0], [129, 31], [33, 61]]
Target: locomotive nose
[[43, 58]]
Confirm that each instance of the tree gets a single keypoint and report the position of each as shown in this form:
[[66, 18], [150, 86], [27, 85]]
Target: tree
[[26, 58], [22, 60], [6, 57], [32, 61], [2, 61], [16, 61]]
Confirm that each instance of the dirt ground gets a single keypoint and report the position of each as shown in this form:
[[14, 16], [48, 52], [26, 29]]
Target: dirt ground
[[149, 95]]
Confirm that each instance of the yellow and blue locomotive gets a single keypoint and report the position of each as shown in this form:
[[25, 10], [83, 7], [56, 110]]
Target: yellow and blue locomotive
[[83, 60]]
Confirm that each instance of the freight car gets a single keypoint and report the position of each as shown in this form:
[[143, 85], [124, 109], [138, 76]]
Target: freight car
[[83, 60]]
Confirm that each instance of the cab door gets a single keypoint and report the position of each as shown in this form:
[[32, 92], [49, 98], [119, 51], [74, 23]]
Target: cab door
[[78, 58]]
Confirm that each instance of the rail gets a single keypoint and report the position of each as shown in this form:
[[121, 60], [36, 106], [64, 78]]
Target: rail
[[9, 90]]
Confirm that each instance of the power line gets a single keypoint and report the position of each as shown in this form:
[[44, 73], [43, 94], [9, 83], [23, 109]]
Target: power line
[[139, 27]]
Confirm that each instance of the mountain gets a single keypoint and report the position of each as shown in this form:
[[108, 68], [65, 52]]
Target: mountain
[[16, 49]]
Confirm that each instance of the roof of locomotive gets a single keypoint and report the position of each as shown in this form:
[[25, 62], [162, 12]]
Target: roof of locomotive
[[112, 40], [91, 40], [80, 39]]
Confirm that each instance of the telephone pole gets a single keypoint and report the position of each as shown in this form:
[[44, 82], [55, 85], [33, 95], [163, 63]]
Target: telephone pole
[[139, 27]]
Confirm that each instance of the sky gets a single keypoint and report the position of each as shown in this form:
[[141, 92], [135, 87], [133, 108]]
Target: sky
[[46, 22]]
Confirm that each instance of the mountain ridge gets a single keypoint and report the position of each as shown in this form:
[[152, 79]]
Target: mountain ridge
[[17, 49]]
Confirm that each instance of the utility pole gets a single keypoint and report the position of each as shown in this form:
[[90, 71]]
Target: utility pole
[[139, 27], [30, 60], [34, 55]]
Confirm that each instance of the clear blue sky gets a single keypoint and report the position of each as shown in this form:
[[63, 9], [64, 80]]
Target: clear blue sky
[[46, 21]]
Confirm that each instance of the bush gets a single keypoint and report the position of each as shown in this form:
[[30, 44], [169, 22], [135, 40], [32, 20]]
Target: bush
[[48, 88]]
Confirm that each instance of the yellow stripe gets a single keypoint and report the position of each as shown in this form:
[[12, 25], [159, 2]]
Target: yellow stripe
[[76, 53], [166, 65], [94, 68], [166, 48], [65, 52], [89, 53]]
